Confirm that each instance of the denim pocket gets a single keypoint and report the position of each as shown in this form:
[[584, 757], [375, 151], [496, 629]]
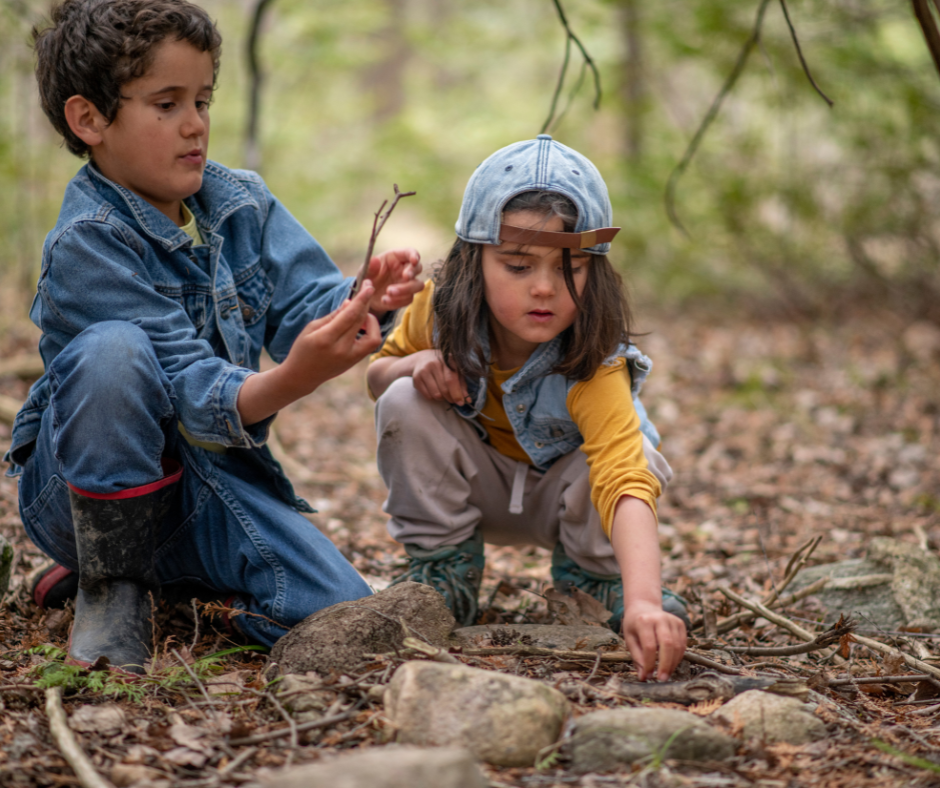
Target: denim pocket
[[255, 292], [48, 522], [193, 300], [559, 434]]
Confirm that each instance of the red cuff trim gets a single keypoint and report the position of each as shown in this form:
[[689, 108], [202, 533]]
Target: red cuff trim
[[172, 471], [49, 580]]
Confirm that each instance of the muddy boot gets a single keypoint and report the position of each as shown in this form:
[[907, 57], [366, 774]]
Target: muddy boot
[[115, 537], [52, 586], [454, 571]]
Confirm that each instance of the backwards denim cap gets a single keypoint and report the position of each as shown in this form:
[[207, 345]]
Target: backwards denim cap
[[537, 165]]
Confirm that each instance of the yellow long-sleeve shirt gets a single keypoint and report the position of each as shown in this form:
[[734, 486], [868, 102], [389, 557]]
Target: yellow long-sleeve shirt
[[602, 408]]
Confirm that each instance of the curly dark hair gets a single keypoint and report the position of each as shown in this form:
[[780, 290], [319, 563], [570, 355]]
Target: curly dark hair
[[92, 48], [603, 320]]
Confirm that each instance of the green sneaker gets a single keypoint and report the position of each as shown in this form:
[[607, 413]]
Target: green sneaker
[[606, 589], [454, 571]]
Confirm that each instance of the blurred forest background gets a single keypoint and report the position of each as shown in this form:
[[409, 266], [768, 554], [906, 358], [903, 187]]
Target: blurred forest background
[[791, 207]]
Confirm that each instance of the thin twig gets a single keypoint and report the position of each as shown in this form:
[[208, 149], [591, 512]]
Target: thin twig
[[597, 664], [192, 675], [193, 602], [730, 80], [377, 224], [292, 723], [821, 641], [799, 52], [258, 738], [701, 659], [775, 618], [732, 622], [878, 680], [570, 36], [68, 744]]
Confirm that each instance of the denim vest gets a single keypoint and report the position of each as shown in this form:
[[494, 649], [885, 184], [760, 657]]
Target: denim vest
[[535, 400], [209, 310]]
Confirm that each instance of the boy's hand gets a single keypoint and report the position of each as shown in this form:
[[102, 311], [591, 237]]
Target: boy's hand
[[394, 274], [648, 629], [435, 380]]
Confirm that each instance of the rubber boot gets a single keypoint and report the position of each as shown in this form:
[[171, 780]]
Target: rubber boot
[[115, 536]]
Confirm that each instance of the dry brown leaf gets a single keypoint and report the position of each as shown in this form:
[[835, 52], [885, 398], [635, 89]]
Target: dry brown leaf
[[706, 707], [107, 720]]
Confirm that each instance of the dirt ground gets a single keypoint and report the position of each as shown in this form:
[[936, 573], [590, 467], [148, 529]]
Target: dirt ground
[[777, 432]]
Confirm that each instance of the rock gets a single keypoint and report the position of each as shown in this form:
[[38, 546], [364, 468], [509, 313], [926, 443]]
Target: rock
[[384, 767], [772, 718], [6, 566], [895, 585], [602, 740], [582, 638], [504, 720], [338, 637]]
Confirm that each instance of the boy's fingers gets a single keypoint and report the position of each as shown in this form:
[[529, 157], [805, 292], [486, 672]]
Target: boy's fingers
[[672, 641], [350, 315]]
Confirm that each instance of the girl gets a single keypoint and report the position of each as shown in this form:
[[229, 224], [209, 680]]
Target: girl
[[515, 356]]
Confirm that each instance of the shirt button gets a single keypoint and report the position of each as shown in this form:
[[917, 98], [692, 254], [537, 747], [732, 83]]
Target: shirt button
[[225, 314], [557, 432], [520, 408], [247, 312], [539, 445]]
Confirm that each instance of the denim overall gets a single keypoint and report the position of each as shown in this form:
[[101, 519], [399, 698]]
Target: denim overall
[[144, 331]]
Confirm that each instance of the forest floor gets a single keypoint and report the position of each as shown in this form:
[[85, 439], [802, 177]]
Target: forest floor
[[777, 432]]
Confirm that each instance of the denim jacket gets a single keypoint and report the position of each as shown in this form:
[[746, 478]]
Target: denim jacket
[[255, 282], [535, 400]]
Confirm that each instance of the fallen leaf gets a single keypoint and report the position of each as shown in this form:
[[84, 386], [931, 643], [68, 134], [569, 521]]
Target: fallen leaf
[[107, 720]]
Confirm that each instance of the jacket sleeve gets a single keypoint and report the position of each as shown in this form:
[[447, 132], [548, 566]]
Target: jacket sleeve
[[94, 272], [603, 409]]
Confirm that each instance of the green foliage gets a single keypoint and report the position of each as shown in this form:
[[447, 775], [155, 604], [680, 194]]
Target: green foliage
[[173, 679], [786, 200], [910, 760]]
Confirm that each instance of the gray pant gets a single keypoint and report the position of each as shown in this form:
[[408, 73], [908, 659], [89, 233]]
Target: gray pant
[[444, 482]]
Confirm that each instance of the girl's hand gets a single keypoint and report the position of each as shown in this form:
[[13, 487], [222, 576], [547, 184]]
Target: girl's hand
[[648, 629], [394, 274], [435, 380]]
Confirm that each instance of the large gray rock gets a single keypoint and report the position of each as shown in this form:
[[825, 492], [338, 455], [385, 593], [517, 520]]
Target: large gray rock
[[897, 584], [576, 638], [384, 767], [504, 720], [603, 740], [339, 637], [772, 718]]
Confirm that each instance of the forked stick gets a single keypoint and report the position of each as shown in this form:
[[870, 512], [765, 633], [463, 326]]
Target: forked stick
[[377, 224]]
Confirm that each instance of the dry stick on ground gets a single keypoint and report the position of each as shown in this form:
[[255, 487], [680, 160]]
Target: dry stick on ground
[[377, 224], [68, 744], [794, 565], [821, 641], [258, 738], [797, 630]]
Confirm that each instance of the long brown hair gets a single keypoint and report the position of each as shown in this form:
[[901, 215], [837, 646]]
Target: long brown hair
[[603, 320]]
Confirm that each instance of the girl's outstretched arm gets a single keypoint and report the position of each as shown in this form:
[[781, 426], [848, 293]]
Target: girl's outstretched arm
[[647, 628]]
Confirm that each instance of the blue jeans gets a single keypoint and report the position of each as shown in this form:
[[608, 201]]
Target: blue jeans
[[111, 418]]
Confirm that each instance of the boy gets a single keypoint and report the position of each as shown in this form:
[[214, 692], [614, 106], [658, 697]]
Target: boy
[[142, 449]]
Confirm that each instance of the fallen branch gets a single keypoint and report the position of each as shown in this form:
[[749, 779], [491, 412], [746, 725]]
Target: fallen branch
[[775, 618], [745, 616], [68, 744], [878, 680], [821, 641], [910, 661], [538, 651], [709, 686], [305, 726]]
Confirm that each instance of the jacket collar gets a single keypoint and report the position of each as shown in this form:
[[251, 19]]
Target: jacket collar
[[220, 194]]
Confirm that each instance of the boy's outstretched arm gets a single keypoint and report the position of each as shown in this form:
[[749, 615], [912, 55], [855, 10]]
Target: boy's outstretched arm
[[647, 629], [325, 348], [395, 276]]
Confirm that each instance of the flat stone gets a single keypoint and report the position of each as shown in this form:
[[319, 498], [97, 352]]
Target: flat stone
[[384, 767], [603, 740], [502, 719], [338, 637], [575, 638], [772, 718]]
